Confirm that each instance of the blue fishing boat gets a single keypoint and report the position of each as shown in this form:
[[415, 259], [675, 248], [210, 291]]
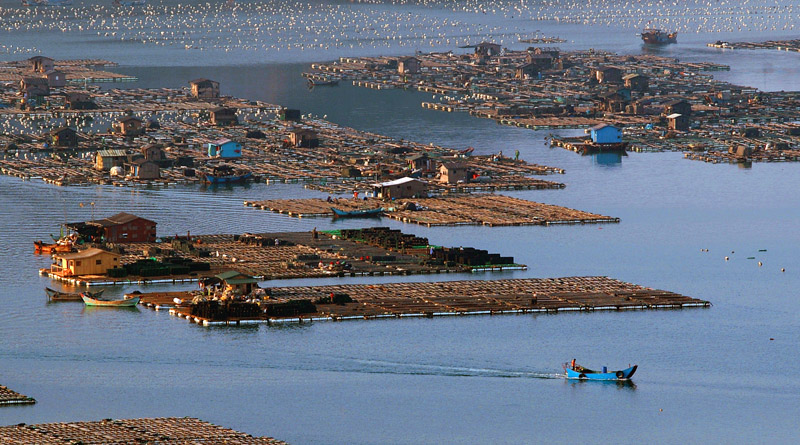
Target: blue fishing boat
[[225, 174], [575, 371], [363, 213]]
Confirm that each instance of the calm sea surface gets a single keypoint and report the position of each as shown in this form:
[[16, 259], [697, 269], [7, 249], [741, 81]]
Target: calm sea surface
[[704, 374]]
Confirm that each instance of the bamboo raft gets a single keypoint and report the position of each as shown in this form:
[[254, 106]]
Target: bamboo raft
[[489, 210], [515, 296], [164, 430], [9, 397]]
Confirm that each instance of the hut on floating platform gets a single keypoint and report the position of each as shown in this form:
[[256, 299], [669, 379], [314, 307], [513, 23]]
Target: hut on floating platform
[[204, 89]]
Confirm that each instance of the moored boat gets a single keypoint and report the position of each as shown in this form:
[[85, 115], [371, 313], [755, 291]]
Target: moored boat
[[659, 37], [363, 213], [575, 371], [47, 249], [54, 295], [127, 302], [225, 174]]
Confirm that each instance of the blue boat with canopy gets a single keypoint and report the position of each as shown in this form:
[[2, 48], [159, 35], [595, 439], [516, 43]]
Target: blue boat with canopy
[[574, 371]]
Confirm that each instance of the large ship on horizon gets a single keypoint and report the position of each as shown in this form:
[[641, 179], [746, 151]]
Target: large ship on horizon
[[658, 36]]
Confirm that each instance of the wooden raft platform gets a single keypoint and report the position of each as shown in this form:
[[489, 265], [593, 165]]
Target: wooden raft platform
[[489, 210], [164, 430], [516, 296], [9, 397]]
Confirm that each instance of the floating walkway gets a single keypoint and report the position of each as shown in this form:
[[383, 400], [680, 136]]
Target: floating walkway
[[474, 297], [164, 430], [9, 397]]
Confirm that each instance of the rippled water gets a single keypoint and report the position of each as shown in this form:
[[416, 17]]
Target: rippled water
[[715, 373]]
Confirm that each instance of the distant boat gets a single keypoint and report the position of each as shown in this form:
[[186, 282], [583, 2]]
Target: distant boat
[[323, 83], [128, 302], [54, 295], [659, 37], [46, 2], [363, 213], [225, 174], [130, 2], [579, 372]]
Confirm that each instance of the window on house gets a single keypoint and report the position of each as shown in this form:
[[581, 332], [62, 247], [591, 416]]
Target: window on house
[[124, 235], [77, 263], [98, 262]]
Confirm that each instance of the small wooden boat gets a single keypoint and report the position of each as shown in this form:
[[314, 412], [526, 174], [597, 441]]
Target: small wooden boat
[[363, 213], [574, 371], [323, 83], [127, 302], [54, 295]]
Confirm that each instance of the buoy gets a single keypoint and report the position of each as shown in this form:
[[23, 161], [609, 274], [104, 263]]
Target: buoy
[[771, 339], [759, 264], [726, 258]]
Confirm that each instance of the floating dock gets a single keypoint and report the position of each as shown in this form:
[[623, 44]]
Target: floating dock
[[430, 299], [488, 210], [164, 430], [9, 397]]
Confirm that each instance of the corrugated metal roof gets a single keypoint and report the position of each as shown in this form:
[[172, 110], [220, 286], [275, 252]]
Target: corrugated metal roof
[[111, 153]]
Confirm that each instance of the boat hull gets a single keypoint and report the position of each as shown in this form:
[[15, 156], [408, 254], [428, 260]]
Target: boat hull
[[89, 301], [54, 295], [339, 213], [588, 374], [227, 179]]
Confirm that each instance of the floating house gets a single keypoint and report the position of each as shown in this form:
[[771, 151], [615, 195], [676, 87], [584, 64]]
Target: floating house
[[204, 89], [636, 82], [144, 169], [223, 116], [401, 188], [233, 282], [34, 87], [606, 134], [225, 149], [408, 65], [453, 172], [488, 49], [79, 100], [289, 114], [608, 74], [677, 121], [92, 261], [526, 71], [105, 160], [303, 137], [130, 126], [63, 137], [41, 64], [153, 152], [679, 106], [120, 228]]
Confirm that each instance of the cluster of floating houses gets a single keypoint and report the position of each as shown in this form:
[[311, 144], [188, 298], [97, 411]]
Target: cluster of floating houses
[[628, 102]]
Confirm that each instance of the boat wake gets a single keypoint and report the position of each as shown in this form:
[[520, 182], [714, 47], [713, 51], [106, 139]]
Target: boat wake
[[387, 367]]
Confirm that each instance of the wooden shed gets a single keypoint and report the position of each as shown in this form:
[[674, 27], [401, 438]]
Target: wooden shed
[[92, 261], [223, 116], [235, 282], [79, 100], [153, 152], [526, 71], [401, 188], [204, 89]]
